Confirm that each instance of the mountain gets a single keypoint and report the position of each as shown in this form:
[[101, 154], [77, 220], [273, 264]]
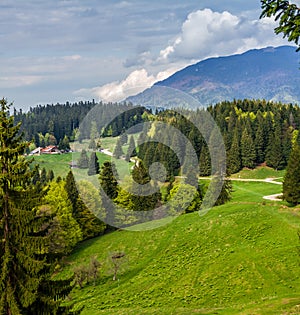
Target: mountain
[[270, 73]]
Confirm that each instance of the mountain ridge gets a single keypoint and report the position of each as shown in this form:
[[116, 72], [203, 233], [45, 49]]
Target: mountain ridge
[[270, 73]]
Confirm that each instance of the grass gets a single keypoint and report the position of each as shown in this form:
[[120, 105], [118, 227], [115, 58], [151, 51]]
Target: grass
[[240, 258], [260, 172], [60, 163]]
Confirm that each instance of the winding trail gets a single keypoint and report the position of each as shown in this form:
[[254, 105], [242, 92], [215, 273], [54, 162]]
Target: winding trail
[[274, 197]]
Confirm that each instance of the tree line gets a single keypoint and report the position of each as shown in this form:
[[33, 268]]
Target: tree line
[[59, 124]]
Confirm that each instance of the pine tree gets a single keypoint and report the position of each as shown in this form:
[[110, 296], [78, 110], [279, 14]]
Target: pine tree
[[86, 218], [131, 149], [247, 150], [234, 155], [108, 180], [260, 145], [93, 164], [26, 268], [50, 176], [43, 178], [205, 162], [291, 183], [274, 156], [118, 151], [83, 161]]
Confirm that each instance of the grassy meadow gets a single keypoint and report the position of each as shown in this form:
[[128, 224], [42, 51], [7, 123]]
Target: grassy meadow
[[240, 258]]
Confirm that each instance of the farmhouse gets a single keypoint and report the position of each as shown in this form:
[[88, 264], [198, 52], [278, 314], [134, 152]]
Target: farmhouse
[[50, 149]]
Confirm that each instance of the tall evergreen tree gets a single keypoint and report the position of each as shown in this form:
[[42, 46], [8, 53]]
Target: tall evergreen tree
[[234, 155], [83, 161], [131, 149], [108, 180], [26, 268], [205, 161], [260, 144], [93, 164], [274, 155], [247, 150], [291, 183], [118, 151], [86, 218]]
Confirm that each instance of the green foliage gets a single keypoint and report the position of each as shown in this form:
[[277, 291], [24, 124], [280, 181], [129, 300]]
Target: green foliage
[[26, 265], [184, 198], [247, 150], [131, 149], [83, 161], [118, 151], [64, 144], [288, 15], [205, 162], [108, 180], [93, 165], [230, 261], [234, 155], [66, 233], [90, 212], [291, 183]]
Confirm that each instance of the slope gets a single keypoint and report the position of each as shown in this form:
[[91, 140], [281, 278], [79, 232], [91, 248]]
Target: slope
[[240, 258], [269, 73]]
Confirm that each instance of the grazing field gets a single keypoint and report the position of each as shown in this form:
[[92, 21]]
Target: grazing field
[[240, 258], [60, 163], [260, 172]]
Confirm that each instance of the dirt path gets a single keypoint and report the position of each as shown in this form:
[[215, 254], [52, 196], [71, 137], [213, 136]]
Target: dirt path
[[275, 197]]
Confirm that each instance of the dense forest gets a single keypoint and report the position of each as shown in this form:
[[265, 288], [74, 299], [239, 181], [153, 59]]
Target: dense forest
[[51, 124]]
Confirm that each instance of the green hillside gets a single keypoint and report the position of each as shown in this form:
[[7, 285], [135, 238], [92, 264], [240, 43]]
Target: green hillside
[[240, 258]]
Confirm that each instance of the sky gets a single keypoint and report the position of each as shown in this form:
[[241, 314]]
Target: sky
[[72, 50]]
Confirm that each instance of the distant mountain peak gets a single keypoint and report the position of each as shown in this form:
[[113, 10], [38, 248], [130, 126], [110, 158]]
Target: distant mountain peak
[[270, 73]]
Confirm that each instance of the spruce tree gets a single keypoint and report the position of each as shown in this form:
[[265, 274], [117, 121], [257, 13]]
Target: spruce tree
[[93, 164], [205, 162], [26, 268], [83, 161], [131, 149], [234, 155], [291, 183], [247, 150], [118, 151], [86, 218], [260, 145], [274, 156], [108, 180]]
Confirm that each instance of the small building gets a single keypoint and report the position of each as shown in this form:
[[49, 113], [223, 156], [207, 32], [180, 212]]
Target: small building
[[36, 151], [50, 149]]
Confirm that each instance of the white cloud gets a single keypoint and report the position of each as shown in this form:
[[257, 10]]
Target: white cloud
[[136, 82], [7, 82], [206, 33]]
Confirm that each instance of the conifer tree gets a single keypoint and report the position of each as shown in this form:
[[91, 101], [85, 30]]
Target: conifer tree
[[118, 151], [108, 180], [247, 150], [26, 267], [131, 149], [86, 218], [260, 144], [274, 156], [43, 178], [50, 175], [93, 164], [291, 183], [205, 162], [234, 155], [83, 161]]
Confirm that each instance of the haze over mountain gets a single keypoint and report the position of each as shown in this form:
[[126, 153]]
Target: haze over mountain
[[270, 73]]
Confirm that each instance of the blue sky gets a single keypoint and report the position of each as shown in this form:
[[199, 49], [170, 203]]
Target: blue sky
[[70, 50]]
